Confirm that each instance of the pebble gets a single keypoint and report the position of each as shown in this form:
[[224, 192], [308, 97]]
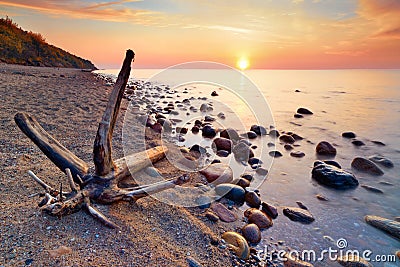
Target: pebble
[[274, 133], [270, 144], [398, 254], [237, 243], [254, 161], [231, 191], [270, 210], [208, 118], [242, 152], [218, 173], [287, 139], [242, 182], [230, 133], [275, 154], [252, 199], [325, 148], [297, 154], [321, 197], [358, 143], [214, 93], [349, 135], [379, 143], [372, 189], [222, 153], [260, 219], [304, 111], [251, 233], [223, 213], [332, 176], [247, 176], [298, 116], [298, 215], [195, 129], [366, 165], [288, 147], [382, 161], [208, 131], [389, 226], [301, 205], [251, 135], [258, 129], [222, 143]]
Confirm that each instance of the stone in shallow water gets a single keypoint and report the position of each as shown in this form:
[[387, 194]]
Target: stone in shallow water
[[332, 176], [349, 135], [298, 215], [223, 144], [297, 154], [242, 152], [304, 111], [251, 135], [258, 129], [325, 148], [274, 133], [230, 191], [372, 189], [389, 226], [275, 154], [208, 131], [230, 134], [287, 139], [358, 143], [382, 161], [366, 165]]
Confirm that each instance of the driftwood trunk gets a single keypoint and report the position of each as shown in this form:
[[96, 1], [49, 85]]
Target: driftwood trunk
[[101, 185]]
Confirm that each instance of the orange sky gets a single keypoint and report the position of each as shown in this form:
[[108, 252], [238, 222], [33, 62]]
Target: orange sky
[[276, 34]]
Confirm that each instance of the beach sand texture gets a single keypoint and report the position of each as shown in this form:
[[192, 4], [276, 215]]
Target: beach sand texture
[[69, 104]]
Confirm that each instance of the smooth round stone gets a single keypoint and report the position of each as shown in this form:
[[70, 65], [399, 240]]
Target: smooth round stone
[[304, 111], [208, 131], [274, 133], [208, 118], [247, 176], [223, 213], [270, 144], [218, 173], [296, 136], [230, 134], [231, 191], [367, 166], [288, 147], [258, 129], [269, 209], [275, 154], [298, 116], [203, 202], [242, 152], [205, 107], [287, 139], [252, 199], [252, 233], [349, 135], [214, 93], [321, 197], [260, 219], [297, 154], [382, 161], [195, 129], [253, 161], [211, 216], [251, 135], [222, 143], [325, 148], [238, 244], [358, 143], [332, 176]]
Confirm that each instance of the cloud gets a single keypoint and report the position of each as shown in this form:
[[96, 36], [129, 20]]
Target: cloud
[[111, 11], [391, 34]]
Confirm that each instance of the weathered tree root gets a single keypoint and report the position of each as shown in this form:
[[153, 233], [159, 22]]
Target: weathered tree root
[[100, 185]]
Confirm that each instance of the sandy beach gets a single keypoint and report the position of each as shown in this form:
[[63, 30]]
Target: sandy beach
[[69, 103]]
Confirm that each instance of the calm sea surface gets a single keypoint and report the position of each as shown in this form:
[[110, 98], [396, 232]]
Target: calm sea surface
[[366, 102]]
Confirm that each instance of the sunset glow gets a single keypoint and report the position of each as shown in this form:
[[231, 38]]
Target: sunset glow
[[276, 34], [243, 64]]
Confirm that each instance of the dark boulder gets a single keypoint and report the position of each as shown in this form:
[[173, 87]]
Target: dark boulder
[[332, 176]]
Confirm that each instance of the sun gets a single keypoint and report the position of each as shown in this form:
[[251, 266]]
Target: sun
[[242, 63]]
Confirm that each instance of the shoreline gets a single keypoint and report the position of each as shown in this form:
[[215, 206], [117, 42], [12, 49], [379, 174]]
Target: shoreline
[[68, 103]]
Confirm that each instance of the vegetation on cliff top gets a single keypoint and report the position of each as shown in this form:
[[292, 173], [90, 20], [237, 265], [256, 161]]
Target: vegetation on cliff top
[[27, 48]]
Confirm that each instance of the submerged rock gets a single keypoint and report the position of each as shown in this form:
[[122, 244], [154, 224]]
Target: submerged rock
[[251, 135], [287, 139], [251, 233], [242, 152], [349, 135], [382, 161], [367, 166], [332, 176], [325, 148], [237, 243], [358, 143], [298, 215], [275, 154], [274, 133], [230, 191], [389, 226], [304, 111], [218, 173]]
